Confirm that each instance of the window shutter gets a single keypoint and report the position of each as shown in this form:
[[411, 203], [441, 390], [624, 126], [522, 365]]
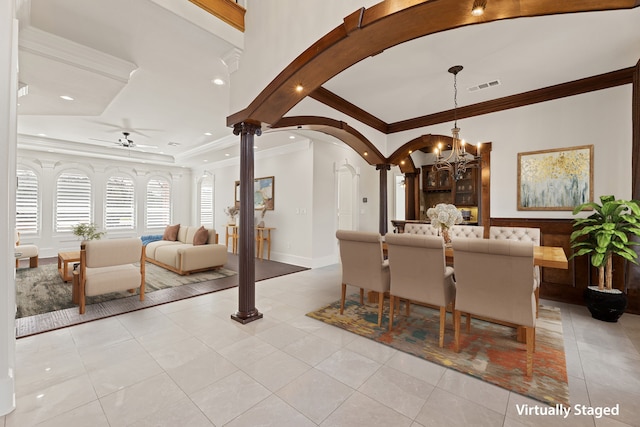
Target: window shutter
[[206, 203], [27, 202], [158, 212], [120, 204], [73, 201]]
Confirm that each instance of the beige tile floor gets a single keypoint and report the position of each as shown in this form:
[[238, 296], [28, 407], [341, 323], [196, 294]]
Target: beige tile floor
[[188, 364]]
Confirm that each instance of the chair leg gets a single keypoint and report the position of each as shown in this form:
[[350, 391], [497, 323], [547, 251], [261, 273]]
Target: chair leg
[[380, 307], [344, 293], [443, 315], [392, 307], [33, 262], [531, 334], [17, 263], [468, 323], [82, 297], [361, 296], [407, 307], [456, 331]]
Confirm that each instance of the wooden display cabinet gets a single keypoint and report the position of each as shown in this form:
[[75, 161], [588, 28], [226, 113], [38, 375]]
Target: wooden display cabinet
[[466, 189]]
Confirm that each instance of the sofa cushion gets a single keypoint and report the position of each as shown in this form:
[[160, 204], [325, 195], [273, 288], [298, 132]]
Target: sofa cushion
[[171, 232], [201, 236], [150, 250]]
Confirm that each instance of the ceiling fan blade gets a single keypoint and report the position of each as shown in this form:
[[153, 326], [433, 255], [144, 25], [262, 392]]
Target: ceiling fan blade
[[104, 140]]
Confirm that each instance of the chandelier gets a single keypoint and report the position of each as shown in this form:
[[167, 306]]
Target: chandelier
[[458, 159]]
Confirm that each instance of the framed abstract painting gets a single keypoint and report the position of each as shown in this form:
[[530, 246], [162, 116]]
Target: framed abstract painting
[[557, 179]]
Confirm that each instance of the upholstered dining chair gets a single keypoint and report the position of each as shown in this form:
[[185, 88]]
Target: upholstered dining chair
[[422, 229], [521, 234], [466, 231], [107, 265], [419, 273], [25, 251], [363, 265], [494, 279]]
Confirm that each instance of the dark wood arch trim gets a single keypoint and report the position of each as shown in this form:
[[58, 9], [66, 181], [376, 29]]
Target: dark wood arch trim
[[337, 129], [367, 32]]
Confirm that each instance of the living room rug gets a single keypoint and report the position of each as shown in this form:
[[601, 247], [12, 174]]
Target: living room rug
[[41, 290], [490, 353]]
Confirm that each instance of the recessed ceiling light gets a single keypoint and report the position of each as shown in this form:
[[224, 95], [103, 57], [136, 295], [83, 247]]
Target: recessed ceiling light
[[227, 154], [205, 160], [299, 87], [208, 133], [66, 97], [255, 147], [218, 81], [42, 134], [292, 137]]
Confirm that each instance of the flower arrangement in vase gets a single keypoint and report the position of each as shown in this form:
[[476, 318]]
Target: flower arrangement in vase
[[232, 212], [443, 216], [262, 214]]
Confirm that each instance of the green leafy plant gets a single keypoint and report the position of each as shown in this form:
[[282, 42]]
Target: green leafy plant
[[88, 231], [605, 233]]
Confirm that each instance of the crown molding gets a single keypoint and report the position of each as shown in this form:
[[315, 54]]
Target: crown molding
[[65, 51]]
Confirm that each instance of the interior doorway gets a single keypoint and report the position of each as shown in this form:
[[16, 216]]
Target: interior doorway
[[347, 197]]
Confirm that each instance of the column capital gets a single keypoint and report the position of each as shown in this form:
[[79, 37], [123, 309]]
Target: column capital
[[383, 166], [247, 127]]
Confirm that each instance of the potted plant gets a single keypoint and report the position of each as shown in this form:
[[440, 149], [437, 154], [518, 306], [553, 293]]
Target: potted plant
[[232, 212], [601, 235], [87, 231]]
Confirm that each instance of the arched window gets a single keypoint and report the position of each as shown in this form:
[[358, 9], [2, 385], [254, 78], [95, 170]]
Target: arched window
[[158, 212], [206, 202], [120, 204], [27, 202], [73, 201]]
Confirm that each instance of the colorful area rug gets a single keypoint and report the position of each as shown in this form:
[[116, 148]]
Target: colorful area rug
[[490, 353], [41, 290]]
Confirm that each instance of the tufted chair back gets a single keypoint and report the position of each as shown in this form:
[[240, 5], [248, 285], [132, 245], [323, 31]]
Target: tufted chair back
[[521, 234], [421, 229], [467, 231]]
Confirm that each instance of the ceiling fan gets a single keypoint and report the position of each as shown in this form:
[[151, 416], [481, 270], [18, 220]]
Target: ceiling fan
[[125, 142]]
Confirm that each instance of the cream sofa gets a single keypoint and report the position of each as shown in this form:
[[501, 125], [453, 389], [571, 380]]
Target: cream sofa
[[182, 257]]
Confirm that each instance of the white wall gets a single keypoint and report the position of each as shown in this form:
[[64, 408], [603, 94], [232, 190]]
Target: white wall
[[601, 118], [48, 167], [277, 35]]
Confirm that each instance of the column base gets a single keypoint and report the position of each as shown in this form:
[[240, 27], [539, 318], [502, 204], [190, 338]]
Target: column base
[[245, 318]]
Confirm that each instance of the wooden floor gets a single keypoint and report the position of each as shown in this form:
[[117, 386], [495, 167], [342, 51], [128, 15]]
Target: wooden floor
[[32, 325]]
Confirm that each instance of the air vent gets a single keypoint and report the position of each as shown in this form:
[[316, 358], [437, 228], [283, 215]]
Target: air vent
[[484, 85], [173, 144]]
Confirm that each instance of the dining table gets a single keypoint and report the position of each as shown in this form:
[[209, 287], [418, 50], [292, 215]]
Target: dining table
[[543, 256]]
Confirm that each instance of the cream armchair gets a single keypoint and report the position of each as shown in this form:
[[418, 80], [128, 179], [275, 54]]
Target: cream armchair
[[363, 265], [108, 266], [494, 279], [25, 251], [419, 273]]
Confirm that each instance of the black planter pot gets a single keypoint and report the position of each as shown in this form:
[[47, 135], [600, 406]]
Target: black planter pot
[[605, 306]]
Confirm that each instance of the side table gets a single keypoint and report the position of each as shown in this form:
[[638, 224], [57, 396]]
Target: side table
[[64, 259]]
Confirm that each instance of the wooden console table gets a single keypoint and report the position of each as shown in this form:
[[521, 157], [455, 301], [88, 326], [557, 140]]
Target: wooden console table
[[263, 234], [232, 233]]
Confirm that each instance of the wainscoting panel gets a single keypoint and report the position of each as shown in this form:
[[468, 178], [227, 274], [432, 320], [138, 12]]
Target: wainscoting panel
[[568, 285]]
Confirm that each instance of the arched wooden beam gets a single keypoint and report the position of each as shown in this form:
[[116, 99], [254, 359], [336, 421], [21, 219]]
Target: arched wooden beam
[[367, 32], [337, 129]]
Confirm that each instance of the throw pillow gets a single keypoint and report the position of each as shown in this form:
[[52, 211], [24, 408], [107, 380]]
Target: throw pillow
[[171, 232], [201, 236]]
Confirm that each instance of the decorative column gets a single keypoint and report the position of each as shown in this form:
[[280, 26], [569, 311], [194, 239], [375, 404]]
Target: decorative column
[[411, 196], [383, 197], [8, 144], [247, 311], [632, 282]]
